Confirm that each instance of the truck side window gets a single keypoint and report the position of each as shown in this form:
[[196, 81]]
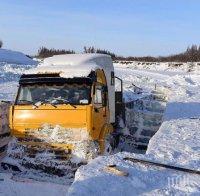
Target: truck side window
[[98, 95]]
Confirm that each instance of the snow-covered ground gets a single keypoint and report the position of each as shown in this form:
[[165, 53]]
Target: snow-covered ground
[[12, 65], [15, 57], [172, 67], [177, 142], [10, 186]]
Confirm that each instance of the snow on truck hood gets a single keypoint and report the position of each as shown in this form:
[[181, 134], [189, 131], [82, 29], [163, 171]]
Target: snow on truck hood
[[72, 65]]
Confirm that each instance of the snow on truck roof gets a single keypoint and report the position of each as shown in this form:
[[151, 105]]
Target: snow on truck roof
[[74, 65], [80, 65]]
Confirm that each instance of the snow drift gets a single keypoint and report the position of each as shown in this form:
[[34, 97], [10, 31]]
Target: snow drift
[[12, 65], [176, 143], [10, 56]]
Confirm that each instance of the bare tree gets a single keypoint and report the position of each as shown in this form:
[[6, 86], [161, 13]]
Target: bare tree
[[1, 44]]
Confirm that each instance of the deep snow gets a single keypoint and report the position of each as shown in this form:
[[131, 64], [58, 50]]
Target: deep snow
[[10, 186], [12, 65], [176, 142], [15, 57]]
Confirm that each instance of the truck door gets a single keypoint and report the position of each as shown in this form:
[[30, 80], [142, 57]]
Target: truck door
[[100, 113]]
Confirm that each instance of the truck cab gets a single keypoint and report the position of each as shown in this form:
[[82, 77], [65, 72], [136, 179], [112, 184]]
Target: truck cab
[[74, 92]]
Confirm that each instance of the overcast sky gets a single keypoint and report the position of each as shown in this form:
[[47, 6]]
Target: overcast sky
[[126, 27]]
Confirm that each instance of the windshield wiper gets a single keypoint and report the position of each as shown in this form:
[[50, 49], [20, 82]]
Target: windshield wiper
[[68, 103], [43, 103], [62, 101], [31, 102], [48, 102], [53, 104]]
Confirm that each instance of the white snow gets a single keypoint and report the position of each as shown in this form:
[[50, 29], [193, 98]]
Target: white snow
[[74, 65], [15, 57], [79, 138], [170, 67], [12, 65], [177, 142], [92, 179], [11, 186]]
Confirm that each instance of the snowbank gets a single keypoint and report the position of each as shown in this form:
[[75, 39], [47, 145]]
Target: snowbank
[[9, 76], [12, 65], [8, 90], [10, 56], [93, 179], [178, 139], [10, 186], [177, 143]]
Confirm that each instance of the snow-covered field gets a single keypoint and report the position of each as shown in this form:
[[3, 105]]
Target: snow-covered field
[[177, 142]]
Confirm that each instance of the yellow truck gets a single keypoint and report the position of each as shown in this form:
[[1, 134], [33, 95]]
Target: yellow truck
[[67, 105]]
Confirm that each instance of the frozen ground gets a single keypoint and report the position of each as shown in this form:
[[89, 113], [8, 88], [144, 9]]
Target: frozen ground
[[176, 142]]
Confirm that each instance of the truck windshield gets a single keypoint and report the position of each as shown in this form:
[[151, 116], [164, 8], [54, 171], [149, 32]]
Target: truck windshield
[[54, 94]]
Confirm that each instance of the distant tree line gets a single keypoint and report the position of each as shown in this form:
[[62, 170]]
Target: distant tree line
[[192, 54], [44, 52], [99, 51]]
